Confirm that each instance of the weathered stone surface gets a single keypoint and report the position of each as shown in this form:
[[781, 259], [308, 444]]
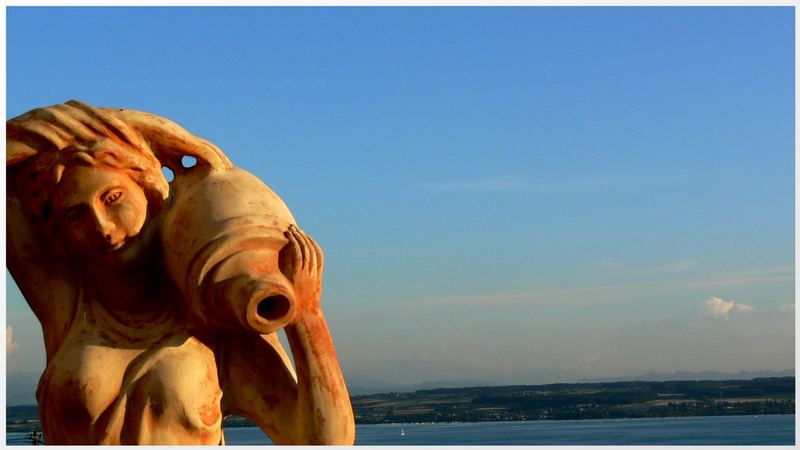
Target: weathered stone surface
[[158, 300]]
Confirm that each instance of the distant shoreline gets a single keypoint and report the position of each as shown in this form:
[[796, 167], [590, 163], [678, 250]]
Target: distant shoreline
[[252, 425], [563, 401]]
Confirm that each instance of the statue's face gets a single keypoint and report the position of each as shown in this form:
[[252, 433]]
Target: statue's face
[[100, 214]]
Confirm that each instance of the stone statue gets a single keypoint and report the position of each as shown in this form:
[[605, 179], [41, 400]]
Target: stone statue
[[159, 300]]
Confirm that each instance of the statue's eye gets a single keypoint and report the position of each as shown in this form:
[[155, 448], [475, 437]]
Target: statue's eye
[[112, 197], [73, 216]]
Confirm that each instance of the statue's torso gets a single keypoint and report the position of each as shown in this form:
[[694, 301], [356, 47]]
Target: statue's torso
[[112, 384]]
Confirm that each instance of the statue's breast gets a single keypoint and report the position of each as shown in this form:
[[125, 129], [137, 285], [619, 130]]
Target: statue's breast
[[80, 385]]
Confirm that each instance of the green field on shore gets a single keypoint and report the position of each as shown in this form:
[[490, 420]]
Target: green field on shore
[[634, 399]]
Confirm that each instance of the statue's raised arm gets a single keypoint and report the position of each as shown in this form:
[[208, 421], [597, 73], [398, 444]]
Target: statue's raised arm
[[159, 300], [39, 145]]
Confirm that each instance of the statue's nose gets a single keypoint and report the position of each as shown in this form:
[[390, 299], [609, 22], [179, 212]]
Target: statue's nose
[[105, 227]]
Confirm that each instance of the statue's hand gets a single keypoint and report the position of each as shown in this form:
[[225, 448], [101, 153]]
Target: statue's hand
[[301, 260]]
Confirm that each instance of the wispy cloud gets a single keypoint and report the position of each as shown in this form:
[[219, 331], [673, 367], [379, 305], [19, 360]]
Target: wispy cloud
[[544, 185], [592, 359], [611, 263], [767, 275], [505, 183], [718, 308], [620, 180], [586, 294], [11, 344], [682, 266]]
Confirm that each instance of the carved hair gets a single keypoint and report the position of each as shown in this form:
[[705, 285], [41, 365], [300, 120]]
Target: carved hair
[[142, 167], [43, 141]]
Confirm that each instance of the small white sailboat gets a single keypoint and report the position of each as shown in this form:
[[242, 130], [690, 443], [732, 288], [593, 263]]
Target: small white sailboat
[[402, 431]]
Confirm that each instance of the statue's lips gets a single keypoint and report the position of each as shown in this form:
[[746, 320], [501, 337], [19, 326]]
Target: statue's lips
[[116, 248]]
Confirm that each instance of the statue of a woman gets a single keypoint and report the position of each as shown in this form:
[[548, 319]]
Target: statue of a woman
[[159, 300]]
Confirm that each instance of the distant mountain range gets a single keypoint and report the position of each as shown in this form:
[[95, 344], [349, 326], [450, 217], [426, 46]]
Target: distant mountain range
[[380, 388], [361, 385], [710, 375], [21, 387]]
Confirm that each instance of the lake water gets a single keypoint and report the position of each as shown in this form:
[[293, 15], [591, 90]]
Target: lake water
[[725, 430]]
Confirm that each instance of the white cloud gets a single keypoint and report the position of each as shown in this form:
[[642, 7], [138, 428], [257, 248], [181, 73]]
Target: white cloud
[[718, 308], [722, 309], [11, 344]]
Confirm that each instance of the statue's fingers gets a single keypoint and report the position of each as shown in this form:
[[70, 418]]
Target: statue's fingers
[[312, 253], [297, 255], [301, 244], [320, 257]]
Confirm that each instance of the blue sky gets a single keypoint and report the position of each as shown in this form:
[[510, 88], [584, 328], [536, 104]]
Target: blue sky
[[503, 194]]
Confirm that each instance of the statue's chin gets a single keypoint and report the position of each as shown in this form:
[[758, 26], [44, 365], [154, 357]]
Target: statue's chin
[[131, 255], [120, 259]]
